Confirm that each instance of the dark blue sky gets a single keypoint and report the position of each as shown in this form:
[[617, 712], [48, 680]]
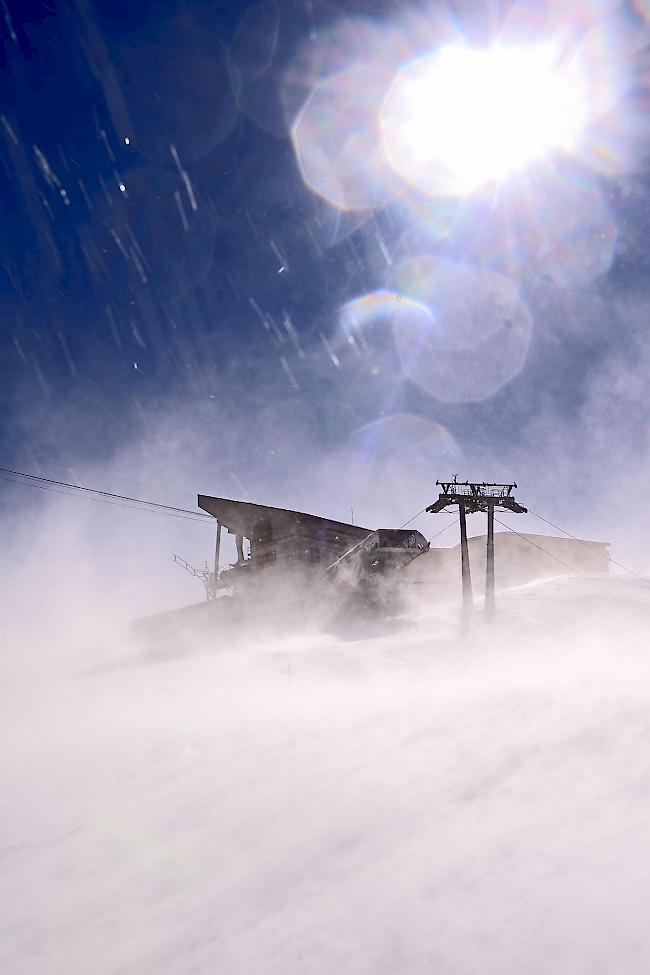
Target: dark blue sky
[[118, 303]]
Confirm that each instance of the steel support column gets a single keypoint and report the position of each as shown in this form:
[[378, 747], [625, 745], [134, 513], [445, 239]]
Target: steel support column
[[489, 563], [217, 557], [239, 542], [468, 601], [472, 497]]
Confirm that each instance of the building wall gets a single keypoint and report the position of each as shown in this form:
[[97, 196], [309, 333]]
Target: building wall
[[520, 559], [517, 561]]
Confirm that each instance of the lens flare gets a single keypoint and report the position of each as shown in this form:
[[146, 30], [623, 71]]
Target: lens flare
[[179, 90], [555, 226], [475, 337], [402, 438], [567, 230], [365, 317], [338, 144], [463, 117], [456, 331]]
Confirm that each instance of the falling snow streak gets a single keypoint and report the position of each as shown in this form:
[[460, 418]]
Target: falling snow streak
[[292, 333], [138, 264], [289, 373], [185, 177], [9, 22], [46, 205], [181, 210], [260, 314], [8, 129], [284, 264], [64, 160], [66, 352], [118, 241], [330, 352], [114, 329], [107, 195], [109, 151], [19, 350], [84, 193], [274, 327], [46, 170], [137, 247]]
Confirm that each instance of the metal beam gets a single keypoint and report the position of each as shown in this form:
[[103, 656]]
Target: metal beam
[[471, 497], [489, 564], [468, 600], [217, 557], [239, 541]]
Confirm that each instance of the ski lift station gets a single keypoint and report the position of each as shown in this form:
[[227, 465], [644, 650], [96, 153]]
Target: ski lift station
[[277, 543], [298, 565]]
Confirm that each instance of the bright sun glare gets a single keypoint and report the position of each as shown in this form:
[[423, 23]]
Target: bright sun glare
[[463, 117]]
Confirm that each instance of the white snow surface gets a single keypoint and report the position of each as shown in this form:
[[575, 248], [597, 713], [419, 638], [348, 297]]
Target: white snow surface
[[409, 803]]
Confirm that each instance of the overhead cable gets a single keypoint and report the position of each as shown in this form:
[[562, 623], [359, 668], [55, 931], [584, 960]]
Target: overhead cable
[[452, 522], [107, 497], [587, 545], [550, 555]]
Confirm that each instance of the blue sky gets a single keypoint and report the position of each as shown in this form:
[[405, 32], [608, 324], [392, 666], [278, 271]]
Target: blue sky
[[195, 265]]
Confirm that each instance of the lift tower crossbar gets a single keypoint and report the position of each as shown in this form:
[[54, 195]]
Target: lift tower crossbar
[[471, 496]]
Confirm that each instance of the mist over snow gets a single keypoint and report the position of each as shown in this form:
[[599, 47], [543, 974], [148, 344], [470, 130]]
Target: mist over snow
[[412, 802]]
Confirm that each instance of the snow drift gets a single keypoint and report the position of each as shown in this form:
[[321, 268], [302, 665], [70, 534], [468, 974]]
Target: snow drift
[[406, 803]]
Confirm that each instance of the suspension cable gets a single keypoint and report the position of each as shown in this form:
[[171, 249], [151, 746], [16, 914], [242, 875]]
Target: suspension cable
[[365, 539], [411, 519], [452, 522], [550, 555], [107, 497], [587, 545]]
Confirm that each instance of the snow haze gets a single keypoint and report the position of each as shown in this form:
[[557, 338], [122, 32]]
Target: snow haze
[[411, 802]]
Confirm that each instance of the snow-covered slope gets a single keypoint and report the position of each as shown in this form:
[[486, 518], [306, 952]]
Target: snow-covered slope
[[411, 803]]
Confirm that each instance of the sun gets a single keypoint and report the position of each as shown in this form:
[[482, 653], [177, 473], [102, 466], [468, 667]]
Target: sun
[[464, 117]]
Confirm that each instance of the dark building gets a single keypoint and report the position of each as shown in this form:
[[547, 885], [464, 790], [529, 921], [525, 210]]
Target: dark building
[[295, 543], [295, 569]]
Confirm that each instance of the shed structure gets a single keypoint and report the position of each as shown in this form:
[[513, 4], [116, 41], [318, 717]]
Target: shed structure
[[294, 542]]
